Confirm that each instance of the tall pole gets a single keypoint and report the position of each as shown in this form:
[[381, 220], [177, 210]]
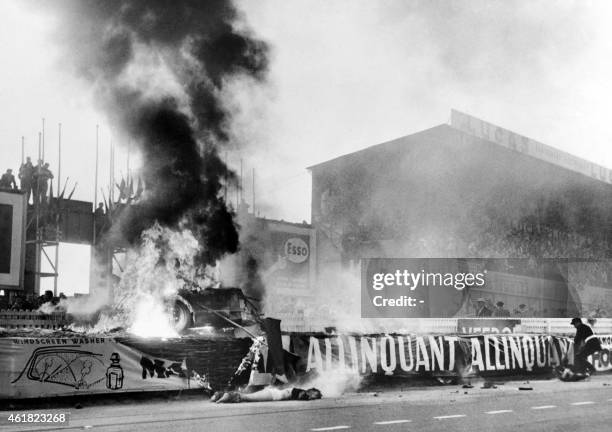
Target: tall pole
[[38, 242], [253, 191], [57, 237], [43, 138], [111, 174], [108, 252], [22, 149], [96, 183], [225, 181], [96, 173], [128, 162], [59, 157]]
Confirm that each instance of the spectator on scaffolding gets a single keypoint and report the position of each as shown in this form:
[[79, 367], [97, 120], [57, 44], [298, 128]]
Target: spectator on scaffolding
[[44, 174], [35, 181], [7, 181], [500, 311], [26, 177], [99, 219]]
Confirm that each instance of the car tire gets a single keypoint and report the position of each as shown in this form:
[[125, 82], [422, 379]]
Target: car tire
[[182, 316]]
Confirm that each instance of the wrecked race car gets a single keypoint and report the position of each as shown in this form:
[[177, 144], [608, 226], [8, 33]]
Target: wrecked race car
[[213, 307]]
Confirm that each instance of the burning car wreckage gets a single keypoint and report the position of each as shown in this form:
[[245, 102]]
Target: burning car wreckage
[[166, 322], [219, 342], [180, 224]]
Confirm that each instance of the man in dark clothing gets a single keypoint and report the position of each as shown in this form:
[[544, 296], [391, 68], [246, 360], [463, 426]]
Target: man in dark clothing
[[26, 177], [99, 220], [18, 304], [45, 298], [482, 309], [585, 344], [8, 180], [44, 174], [500, 311], [35, 181]]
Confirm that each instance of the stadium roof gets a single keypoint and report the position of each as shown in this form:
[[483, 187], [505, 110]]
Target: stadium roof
[[502, 137]]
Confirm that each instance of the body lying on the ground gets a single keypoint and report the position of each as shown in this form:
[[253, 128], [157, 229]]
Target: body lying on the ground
[[566, 373], [267, 394]]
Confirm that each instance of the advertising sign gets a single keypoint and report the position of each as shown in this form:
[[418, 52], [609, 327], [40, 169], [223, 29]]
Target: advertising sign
[[291, 272], [601, 360], [449, 355], [12, 238], [43, 367], [522, 144], [488, 325]]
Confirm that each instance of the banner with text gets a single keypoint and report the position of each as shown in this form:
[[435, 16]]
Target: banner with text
[[408, 355], [43, 367]]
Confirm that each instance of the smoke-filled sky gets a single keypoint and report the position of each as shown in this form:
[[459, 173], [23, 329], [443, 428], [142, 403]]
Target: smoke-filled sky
[[342, 75]]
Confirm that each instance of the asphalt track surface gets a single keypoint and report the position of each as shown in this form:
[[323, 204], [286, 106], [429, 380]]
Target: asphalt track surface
[[549, 406]]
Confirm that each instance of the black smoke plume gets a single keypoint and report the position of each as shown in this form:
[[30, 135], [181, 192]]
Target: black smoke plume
[[204, 45]]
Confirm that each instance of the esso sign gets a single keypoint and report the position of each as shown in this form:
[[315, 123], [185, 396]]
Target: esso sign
[[296, 250]]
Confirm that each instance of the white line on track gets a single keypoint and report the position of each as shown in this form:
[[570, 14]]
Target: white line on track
[[498, 412], [583, 403], [543, 407], [330, 428], [391, 422], [450, 416]]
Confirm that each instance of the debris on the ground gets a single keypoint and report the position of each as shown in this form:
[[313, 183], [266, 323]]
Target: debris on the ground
[[468, 385], [488, 385], [524, 387]]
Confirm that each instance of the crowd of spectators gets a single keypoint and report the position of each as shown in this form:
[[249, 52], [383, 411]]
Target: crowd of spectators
[[33, 180], [31, 303], [588, 252]]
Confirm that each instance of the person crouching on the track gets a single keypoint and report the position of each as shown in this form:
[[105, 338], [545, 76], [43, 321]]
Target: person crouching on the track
[[585, 344]]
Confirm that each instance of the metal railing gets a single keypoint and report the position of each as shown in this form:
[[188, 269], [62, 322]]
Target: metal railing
[[27, 319], [11, 319], [551, 326]]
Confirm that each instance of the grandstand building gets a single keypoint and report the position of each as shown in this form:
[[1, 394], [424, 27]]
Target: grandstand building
[[466, 189]]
